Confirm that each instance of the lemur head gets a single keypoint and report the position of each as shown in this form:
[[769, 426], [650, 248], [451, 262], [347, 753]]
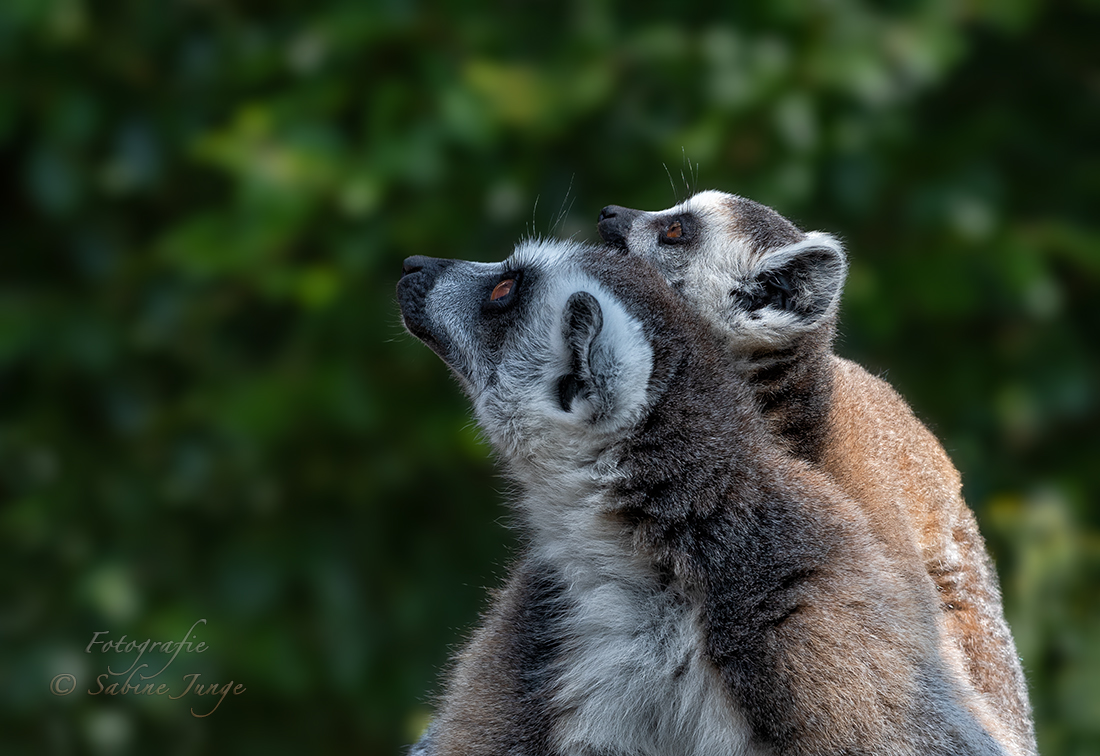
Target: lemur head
[[555, 363], [739, 263]]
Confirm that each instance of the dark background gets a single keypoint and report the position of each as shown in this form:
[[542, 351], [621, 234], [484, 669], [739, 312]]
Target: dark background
[[209, 408]]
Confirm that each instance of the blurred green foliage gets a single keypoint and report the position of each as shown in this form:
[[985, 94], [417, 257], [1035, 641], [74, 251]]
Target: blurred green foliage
[[208, 406]]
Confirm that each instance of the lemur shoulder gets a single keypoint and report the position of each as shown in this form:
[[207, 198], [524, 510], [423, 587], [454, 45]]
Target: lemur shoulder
[[774, 291], [688, 586]]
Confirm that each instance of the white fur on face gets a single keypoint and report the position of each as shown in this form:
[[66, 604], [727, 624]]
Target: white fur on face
[[516, 398], [723, 261], [452, 301]]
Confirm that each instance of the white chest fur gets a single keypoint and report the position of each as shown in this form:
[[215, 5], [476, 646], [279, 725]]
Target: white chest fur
[[632, 677]]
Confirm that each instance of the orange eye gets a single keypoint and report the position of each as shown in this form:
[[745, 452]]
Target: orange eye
[[503, 289], [675, 231]]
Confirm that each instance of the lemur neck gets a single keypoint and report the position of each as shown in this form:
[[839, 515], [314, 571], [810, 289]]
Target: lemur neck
[[581, 534], [794, 387]]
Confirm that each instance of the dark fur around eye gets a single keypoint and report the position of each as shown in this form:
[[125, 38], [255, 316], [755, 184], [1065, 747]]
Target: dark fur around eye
[[504, 292], [675, 231]]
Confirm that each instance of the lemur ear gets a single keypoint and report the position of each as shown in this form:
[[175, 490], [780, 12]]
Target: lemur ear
[[582, 322], [804, 279]]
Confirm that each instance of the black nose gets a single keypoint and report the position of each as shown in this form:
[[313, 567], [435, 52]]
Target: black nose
[[614, 224], [413, 264], [431, 265]]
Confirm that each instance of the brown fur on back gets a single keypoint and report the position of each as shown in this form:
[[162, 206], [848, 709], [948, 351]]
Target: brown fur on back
[[882, 455]]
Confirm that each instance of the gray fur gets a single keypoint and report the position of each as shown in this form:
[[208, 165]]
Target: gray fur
[[688, 586]]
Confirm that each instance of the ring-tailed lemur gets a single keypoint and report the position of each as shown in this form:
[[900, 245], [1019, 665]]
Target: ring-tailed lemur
[[774, 291], [688, 586]]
